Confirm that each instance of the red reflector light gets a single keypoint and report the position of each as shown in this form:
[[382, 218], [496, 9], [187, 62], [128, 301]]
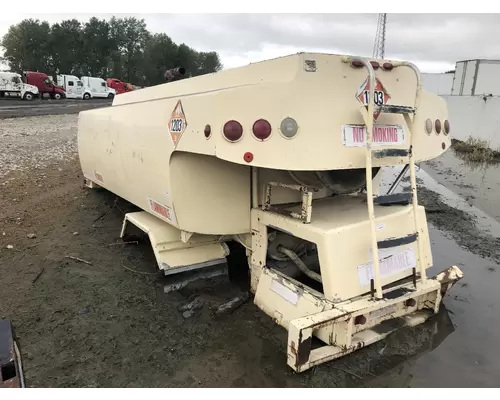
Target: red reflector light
[[387, 66], [233, 131], [438, 126], [357, 64], [261, 129], [248, 157], [375, 64]]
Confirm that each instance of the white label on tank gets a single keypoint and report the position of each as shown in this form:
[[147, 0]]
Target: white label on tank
[[288, 294], [391, 262]]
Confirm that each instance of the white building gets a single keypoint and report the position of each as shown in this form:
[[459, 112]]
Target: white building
[[440, 83]]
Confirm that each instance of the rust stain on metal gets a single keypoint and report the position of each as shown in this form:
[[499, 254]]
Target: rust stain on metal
[[310, 65], [303, 350]]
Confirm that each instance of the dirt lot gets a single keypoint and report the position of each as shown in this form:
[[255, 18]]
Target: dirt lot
[[10, 108], [104, 325]]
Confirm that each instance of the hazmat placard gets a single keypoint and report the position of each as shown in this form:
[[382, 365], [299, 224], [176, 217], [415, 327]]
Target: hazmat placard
[[177, 123]]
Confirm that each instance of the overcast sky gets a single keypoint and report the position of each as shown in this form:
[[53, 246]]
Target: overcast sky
[[433, 41]]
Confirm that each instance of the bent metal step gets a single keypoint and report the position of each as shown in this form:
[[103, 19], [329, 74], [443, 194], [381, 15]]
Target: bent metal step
[[175, 250], [396, 242], [390, 153], [394, 199]]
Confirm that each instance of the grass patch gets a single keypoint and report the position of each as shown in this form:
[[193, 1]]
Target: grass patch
[[476, 150]]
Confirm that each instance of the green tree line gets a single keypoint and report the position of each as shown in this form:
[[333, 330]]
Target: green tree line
[[121, 48]]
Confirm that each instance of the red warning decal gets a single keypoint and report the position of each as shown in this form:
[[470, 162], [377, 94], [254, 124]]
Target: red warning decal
[[160, 209], [380, 94], [177, 123], [98, 176]]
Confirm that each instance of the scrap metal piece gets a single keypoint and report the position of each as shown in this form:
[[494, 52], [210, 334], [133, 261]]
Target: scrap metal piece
[[181, 280], [232, 304], [11, 371], [174, 74], [189, 308]]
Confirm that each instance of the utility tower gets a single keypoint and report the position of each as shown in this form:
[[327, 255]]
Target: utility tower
[[379, 46]]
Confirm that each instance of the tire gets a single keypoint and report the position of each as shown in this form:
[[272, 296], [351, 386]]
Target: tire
[[111, 96], [28, 96], [57, 96], [86, 96]]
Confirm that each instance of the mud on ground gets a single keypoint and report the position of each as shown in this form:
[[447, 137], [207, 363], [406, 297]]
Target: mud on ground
[[458, 224]]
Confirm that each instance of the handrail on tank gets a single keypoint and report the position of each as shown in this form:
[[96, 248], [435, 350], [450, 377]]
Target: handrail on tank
[[368, 117], [413, 178], [417, 75]]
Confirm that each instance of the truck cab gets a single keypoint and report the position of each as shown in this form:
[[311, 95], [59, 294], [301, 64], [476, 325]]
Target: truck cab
[[45, 85], [12, 85], [119, 86], [72, 85], [94, 87]]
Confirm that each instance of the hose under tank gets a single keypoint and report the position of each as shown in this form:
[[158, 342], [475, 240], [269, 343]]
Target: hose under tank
[[343, 181]]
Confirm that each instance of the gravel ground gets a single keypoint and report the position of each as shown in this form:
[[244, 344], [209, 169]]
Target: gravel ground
[[35, 142]]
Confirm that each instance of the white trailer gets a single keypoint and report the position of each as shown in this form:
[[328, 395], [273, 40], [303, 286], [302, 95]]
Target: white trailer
[[476, 77], [440, 83], [96, 88], [12, 85], [72, 85]]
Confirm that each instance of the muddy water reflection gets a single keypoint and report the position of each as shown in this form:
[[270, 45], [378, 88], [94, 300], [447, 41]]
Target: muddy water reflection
[[478, 183], [470, 356]]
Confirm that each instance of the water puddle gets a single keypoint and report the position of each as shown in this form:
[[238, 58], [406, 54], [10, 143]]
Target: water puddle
[[477, 183]]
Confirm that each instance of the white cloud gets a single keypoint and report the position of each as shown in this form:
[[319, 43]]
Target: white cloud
[[433, 41]]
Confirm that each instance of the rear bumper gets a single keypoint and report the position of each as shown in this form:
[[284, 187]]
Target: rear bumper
[[353, 325]]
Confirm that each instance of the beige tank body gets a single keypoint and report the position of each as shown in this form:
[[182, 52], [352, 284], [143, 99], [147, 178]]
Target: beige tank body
[[203, 185]]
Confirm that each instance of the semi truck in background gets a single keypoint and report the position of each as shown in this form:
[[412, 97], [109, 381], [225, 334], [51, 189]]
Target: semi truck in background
[[119, 86], [96, 88], [12, 85], [44, 84], [72, 85]]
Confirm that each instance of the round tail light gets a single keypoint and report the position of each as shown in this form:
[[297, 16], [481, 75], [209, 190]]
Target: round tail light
[[428, 126], [411, 303], [375, 64], [387, 66], [437, 125], [446, 127], [289, 127], [360, 320], [357, 64], [261, 129], [233, 131], [207, 131]]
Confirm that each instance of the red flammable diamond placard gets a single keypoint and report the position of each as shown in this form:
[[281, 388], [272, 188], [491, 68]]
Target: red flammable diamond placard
[[381, 95]]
